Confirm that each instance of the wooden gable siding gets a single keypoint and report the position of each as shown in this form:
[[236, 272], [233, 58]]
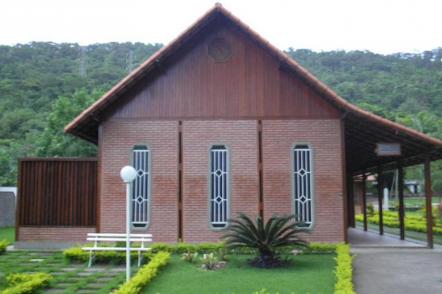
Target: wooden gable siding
[[249, 85]]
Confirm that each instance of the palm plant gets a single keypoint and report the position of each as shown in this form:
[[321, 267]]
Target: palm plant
[[279, 231]]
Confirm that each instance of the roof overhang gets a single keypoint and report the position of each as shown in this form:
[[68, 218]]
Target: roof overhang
[[362, 128]]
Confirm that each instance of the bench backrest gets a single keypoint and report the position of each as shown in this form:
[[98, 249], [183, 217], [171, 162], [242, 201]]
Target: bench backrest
[[111, 237]]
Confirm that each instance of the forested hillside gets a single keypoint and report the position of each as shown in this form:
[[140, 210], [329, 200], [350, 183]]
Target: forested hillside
[[44, 85]]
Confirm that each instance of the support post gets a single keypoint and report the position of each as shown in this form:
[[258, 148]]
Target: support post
[[428, 201], [400, 186], [364, 200], [380, 196], [351, 202], [128, 231]]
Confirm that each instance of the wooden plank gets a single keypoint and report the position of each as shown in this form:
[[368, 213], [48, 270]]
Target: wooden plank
[[351, 202], [428, 201], [380, 197], [57, 193], [401, 201], [249, 85]]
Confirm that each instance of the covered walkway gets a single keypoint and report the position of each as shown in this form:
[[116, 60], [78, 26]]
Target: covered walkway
[[362, 239]]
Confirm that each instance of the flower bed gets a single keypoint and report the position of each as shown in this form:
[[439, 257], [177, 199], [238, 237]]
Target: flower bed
[[26, 283], [344, 270], [136, 284]]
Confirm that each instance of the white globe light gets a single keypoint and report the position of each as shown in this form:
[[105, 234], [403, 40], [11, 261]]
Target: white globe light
[[128, 174]]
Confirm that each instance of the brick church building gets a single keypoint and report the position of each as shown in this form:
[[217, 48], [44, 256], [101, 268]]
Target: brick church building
[[220, 122]]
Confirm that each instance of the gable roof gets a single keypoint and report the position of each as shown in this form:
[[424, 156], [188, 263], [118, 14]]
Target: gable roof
[[86, 124]]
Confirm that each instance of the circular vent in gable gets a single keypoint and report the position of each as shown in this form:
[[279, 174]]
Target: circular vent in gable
[[220, 50]]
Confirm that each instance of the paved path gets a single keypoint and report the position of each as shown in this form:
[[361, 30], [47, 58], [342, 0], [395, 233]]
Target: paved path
[[397, 270], [359, 238]]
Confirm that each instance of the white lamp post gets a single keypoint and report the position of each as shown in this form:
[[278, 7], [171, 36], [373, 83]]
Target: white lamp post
[[128, 174]]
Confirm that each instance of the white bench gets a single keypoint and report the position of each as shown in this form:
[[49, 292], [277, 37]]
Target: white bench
[[98, 238]]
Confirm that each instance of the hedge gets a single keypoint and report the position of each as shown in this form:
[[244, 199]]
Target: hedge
[[140, 280], [3, 245], [390, 219], [78, 254], [344, 270], [26, 283], [316, 247]]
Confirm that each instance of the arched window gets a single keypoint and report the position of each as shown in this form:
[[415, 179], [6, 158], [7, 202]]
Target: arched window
[[303, 184], [141, 187], [219, 186]]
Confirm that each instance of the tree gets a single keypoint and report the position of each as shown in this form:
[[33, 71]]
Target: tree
[[53, 141]]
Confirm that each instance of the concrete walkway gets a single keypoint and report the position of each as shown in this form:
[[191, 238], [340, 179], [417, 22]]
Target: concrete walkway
[[359, 238], [395, 270]]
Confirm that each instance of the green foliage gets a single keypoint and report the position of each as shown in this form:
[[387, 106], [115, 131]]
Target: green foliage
[[264, 237], [187, 247], [26, 283], [78, 254], [344, 270], [3, 245], [190, 256], [53, 141], [37, 80], [117, 257], [315, 247], [370, 209], [144, 275], [415, 223], [209, 261]]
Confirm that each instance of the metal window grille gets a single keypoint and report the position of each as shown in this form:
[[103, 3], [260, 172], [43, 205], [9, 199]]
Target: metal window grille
[[141, 187], [219, 186], [303, 185]]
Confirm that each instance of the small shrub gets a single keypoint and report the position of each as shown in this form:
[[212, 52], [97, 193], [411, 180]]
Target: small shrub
[[26, 283], [223, 254], [266, 238], [344, 270], [370, 209], [3, 245], [190, 257], [316, 247], [139, 281], [78, 254], [209, 261]]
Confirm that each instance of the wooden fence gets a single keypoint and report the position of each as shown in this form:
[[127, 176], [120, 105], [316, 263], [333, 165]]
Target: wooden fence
[[57, 192]]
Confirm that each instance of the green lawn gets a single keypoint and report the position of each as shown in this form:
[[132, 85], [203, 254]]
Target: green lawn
[[310, 273], [7, 233], [67, 278]]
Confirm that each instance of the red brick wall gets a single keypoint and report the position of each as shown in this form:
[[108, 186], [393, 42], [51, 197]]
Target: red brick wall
[[118, 139], [119, 136], [60, 234], [240, 137], [324, 136]]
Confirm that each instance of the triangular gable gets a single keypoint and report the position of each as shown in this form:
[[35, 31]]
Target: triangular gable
[[86, 124]]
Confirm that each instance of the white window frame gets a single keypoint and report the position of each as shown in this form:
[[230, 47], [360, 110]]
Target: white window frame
[[141, 187], [303, 192], [222, 184]]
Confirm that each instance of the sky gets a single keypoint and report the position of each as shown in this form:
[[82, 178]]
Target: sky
[[385, 27]]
